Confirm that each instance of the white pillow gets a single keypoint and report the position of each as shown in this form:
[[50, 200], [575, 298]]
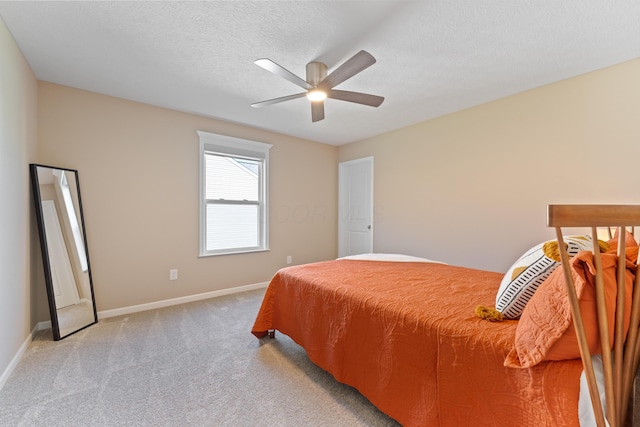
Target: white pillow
[[530, 270]]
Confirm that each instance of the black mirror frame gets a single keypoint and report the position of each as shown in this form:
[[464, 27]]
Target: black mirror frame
[[37, 198]]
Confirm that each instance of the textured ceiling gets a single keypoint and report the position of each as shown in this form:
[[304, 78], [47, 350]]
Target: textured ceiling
[[433, 57]]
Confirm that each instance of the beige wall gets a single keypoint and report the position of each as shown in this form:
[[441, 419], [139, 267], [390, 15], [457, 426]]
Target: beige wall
[[138, 170], [471, 188], [18, 137]]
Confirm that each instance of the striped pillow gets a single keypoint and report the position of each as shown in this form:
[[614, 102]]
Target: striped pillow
[[530, 270]]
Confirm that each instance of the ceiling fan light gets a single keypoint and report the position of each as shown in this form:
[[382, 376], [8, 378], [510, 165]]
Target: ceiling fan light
[[316, 95]]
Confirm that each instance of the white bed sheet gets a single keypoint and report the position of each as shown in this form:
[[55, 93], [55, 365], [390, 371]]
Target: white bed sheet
[[389, 257], [585, 407]]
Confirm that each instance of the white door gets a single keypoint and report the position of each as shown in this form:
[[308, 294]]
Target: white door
[[64, 284], [355, 206]]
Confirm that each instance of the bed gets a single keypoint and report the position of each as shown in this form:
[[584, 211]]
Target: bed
[[406, 333]]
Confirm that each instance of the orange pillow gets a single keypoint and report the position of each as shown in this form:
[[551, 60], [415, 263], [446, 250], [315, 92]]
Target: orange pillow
[[545, 330], [630, 245]]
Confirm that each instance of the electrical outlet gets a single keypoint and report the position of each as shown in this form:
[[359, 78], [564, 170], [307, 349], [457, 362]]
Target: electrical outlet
[[173, 274], [289, 259]]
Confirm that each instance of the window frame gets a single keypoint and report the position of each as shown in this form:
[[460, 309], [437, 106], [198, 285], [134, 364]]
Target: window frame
[[242, 149]]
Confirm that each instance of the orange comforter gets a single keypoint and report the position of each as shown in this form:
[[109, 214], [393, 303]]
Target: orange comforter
[[406, 336]]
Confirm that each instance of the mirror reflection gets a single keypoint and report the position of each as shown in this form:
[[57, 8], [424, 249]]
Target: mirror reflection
[[64, 250]]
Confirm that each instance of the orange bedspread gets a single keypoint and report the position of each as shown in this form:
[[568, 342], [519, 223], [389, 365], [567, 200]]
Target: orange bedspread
[[406, 336]]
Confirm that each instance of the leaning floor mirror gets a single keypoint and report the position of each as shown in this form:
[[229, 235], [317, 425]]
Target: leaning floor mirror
[[65, 256]]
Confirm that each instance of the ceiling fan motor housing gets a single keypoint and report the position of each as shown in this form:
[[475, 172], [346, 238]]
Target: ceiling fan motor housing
[[316, 72]]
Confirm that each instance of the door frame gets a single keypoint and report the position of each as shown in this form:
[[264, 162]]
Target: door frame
[[343, 209]]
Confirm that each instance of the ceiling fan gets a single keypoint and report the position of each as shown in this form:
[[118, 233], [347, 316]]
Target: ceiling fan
[[320, 86]]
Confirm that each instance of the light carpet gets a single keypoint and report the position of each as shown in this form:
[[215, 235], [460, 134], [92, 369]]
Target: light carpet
[[194, 364]]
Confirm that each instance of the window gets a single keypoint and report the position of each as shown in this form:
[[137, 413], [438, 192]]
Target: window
[[233, 195]]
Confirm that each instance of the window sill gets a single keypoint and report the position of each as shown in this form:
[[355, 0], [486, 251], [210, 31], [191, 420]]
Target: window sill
[[206, 255]]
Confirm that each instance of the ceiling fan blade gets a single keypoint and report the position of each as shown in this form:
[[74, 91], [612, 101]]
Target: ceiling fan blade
[[357, 97], [358, 62], [276, 69], [317, 111], [278, 100]]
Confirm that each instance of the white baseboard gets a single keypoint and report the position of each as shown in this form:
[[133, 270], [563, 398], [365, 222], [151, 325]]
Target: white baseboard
[[43, 325], [175, 301], [16, 359]]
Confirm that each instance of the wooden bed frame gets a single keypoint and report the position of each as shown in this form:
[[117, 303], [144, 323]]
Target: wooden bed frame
[[286, 308]]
